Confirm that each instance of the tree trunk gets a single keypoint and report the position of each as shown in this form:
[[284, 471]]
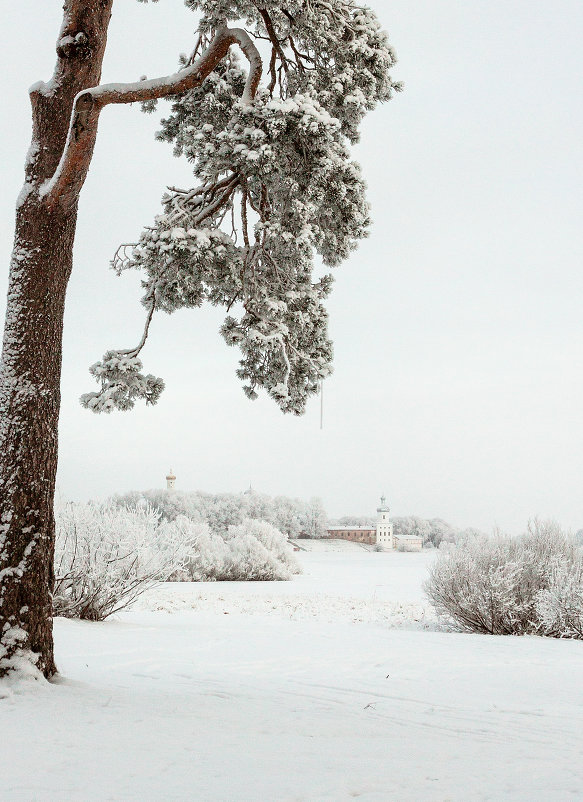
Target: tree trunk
[[65, 117], [30, 371], [29, 416]]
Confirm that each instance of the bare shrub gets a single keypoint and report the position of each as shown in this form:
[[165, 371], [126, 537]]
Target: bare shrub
[[106, 556], [502, 585]]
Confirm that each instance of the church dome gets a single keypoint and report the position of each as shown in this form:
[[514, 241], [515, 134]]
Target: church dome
[[384, 506]]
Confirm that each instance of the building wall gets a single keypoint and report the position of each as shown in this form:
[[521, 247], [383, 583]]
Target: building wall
[[384, 530], [384, 535], [367, 536]]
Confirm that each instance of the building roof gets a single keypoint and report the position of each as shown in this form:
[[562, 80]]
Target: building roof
[[408, 537], [171, 475]]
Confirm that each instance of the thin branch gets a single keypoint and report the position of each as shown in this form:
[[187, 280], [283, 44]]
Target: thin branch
[[192, 56], [218, 203], [244, 216], [273, 36], [299, 56], [135, 351], [272, 72], [120, 258]]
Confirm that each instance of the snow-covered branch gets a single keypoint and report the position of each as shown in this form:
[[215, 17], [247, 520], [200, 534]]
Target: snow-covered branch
[[190, 77], [89, 103], [286, 159]]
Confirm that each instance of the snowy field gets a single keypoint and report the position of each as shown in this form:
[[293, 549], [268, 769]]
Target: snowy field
[[335, 686]]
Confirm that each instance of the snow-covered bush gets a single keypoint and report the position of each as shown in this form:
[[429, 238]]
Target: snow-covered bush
[[273, 540], [208, 553], [252, 550], [258, 551], [106, 556], [502, 585], [560, 606]]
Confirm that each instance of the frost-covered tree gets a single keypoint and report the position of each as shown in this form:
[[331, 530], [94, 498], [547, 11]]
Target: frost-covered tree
[[292, 516], [259, 506], [355, 520], [287, 515], [434, 531], [265, 108], [314, 520], [412, 525]]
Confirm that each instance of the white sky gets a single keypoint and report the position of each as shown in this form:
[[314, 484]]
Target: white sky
[[458, 380]]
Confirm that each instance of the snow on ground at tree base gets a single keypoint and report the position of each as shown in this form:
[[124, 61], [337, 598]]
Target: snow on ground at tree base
[[259, 705]]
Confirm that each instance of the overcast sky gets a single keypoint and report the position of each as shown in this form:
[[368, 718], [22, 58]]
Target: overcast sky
[[458, 383]]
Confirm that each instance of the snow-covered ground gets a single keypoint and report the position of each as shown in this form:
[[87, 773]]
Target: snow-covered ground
[[333, 686]]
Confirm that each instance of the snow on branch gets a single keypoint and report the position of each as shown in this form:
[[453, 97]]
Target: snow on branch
[[275, 187], [88, 104], [190, 77]]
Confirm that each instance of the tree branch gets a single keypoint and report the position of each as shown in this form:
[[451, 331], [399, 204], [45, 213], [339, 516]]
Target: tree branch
[[188, 78], [273, 37], [64, 186]]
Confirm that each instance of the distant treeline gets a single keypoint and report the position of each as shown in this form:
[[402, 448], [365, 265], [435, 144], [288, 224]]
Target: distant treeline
[[291, 516]]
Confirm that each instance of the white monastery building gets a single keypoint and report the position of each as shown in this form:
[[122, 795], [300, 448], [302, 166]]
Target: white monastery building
[[384, 529], [382, 534], [170, 480]]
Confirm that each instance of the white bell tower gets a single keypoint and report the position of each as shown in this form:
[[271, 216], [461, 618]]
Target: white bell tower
[[384, 525], [170, 480]]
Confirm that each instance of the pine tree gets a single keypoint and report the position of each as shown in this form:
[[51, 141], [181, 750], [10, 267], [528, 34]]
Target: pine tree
[[266, 114]]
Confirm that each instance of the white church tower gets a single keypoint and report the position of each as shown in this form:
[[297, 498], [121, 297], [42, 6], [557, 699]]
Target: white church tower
[[384, 526], [170, 480]]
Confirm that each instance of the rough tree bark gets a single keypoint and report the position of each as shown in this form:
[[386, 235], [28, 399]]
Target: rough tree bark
[[65, 114], [31, 355]]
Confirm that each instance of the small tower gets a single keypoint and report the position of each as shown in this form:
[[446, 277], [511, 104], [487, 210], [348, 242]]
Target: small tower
[[384, 525], [170, 480]]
